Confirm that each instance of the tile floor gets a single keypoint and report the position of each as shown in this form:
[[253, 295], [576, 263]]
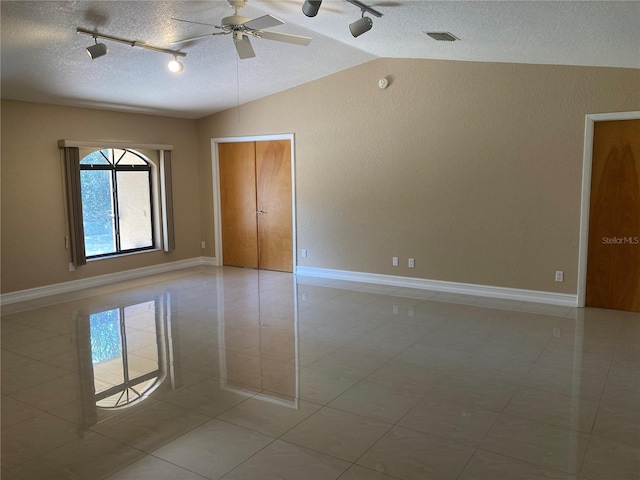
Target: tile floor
[[227, 373]]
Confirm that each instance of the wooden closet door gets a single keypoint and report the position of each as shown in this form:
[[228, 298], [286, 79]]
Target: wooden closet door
[[275, 231], [613, 261], [238, 204]]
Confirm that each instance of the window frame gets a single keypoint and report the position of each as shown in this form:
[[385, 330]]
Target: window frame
[[162, 192], [115, 167]]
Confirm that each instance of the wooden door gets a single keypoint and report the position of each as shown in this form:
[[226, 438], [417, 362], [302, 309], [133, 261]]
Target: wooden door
[[238, 200], [256, 204], [275, 232], [613, 260]]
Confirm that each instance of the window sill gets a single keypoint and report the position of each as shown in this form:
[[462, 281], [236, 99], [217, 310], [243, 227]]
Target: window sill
[[120, 255]]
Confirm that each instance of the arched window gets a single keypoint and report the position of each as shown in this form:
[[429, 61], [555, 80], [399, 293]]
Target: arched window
[[117, 202]]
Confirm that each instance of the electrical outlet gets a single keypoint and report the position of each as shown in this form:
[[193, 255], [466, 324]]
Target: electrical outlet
[[72, 267], [412, 263], [394, 261], [202, 244], [559, 276], [304, 253]]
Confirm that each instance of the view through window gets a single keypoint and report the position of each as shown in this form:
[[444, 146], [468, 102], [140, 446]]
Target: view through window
[[117, 209]]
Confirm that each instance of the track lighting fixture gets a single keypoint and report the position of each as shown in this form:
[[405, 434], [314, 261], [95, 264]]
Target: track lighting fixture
[[175, 66], [100, 49], [361, 26], [97, 50], [311, 7]]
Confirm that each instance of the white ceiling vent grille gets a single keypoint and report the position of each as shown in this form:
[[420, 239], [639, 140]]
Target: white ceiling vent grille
[[442, 36]]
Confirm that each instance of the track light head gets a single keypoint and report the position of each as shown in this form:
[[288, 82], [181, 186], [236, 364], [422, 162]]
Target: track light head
[[311, 7], [97, 50], [361, 26], [175, 66]]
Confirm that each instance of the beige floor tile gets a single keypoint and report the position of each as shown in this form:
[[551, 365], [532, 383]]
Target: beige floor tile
[[491, 466], [618, 424], [269, 415], [607, 459], [376, 401], [14, 411], [410, 455], [20, 337], [475, 392], [91, 456], [283, 461], [547, 407], [356, 472], [37, 435], [451, 420], [622, 392], [152, 468], [405, 377], [339, 434], [208, 397], [7, 475], [152, 427], [29, 375], [48, 347], [52, 393], [319, 387], [213, 448], [12, 360], [538, 443]]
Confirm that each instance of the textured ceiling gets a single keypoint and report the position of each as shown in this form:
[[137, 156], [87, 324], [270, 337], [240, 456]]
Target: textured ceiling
[[44, 59]]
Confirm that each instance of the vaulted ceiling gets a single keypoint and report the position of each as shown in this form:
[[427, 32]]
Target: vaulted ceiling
[[44, 58]]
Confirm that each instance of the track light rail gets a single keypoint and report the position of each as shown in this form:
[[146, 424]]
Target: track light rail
[[365, 8], [132, 43]]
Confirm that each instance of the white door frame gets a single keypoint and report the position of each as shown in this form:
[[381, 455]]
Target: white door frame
[[217, 210], [586, 193]]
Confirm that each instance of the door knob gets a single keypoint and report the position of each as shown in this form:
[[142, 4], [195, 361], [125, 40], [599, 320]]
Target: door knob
[[260, 212]]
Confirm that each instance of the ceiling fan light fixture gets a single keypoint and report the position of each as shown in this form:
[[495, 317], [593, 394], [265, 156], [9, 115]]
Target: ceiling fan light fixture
[[175, 65], [96, 51], [311, 7], [361, 26]]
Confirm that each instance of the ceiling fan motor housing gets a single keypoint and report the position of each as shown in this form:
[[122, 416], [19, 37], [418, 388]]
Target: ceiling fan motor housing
[[234, 20]]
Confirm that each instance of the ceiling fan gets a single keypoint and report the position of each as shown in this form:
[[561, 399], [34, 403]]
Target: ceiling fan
[[242, 28]]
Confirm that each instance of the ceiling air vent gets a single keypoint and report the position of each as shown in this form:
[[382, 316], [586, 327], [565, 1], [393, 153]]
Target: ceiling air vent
[[442, 36]]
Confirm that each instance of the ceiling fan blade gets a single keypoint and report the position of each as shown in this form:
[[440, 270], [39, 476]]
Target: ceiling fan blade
[[259, 23], [197, 23], [197, 37], [284, 37], [244, 48]]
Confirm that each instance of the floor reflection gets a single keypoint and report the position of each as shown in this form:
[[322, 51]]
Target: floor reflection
[[237, 374], [258, 338]]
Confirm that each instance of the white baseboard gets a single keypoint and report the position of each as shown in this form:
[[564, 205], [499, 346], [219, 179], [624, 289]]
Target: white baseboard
[[378, 279], [442, 286], [66, 287]]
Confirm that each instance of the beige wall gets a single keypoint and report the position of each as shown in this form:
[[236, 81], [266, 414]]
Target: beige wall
[[473, 169], [33, 209]]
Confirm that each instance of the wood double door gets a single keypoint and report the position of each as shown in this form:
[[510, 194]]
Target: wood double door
[[613, 259], [256, 204]]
